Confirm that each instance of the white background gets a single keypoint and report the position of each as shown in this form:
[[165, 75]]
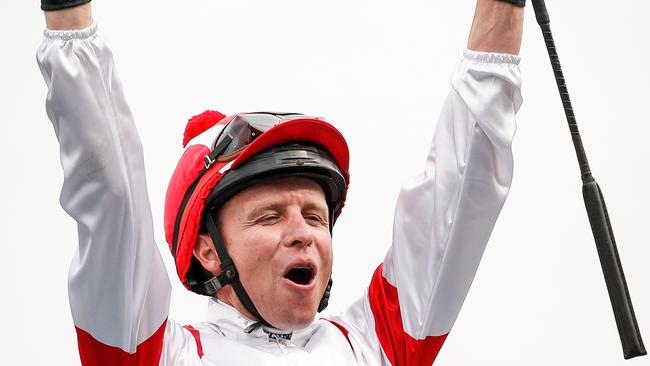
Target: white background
[[379, 71]]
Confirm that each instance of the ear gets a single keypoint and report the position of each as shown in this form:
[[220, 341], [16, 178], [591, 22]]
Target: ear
[[206, 254]]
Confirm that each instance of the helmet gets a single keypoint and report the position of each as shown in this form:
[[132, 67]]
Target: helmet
[[230, 153]]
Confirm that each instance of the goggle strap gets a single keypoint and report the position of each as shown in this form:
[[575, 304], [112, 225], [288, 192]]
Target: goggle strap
[[218, 150]]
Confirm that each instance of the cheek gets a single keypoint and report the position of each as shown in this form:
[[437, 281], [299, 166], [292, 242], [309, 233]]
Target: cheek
[[325, 249], [255, 250]]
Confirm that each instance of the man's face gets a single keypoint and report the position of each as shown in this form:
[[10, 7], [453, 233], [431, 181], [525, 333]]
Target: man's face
[[277, 233]]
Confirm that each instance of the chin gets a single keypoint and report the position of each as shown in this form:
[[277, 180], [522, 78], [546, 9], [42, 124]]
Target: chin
[[296, 320], [297, 325]]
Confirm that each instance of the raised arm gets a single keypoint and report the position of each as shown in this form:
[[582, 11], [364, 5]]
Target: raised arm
[[445, 215], [118, 287]]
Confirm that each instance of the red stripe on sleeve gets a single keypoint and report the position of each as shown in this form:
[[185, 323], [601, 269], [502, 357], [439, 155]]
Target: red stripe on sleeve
[[94, 352], [400, 348], [197, 337], [343, 330]]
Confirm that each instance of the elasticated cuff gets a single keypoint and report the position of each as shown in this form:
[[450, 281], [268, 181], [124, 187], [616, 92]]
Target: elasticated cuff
[[491, 57], [68, 34]]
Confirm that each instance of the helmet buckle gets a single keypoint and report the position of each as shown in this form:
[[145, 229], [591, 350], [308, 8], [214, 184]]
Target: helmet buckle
[[213, 285], [208, 161]]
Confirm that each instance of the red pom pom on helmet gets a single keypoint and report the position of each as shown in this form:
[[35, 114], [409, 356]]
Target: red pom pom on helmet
[[200, 123]]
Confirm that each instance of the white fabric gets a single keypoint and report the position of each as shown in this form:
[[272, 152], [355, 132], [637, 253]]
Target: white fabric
[[119, 291], [225, 343], [445, 215], [118, 286]]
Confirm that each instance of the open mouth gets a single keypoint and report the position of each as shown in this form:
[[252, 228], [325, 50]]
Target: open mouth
[[301, 274]]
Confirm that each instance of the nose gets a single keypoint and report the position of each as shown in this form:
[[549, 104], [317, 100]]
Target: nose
[[298, 232]]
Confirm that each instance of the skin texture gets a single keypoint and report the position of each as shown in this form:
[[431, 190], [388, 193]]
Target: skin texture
[[77, 17], [269, 228], [497, 27]]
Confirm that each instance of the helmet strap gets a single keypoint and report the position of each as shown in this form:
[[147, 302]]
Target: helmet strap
[[326, 296], [229, 274]]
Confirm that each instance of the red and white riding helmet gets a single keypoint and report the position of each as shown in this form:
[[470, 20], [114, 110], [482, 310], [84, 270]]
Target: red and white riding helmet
[[228, 154]]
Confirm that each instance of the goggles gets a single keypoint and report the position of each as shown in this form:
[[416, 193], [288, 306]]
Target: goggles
[[243, 130]]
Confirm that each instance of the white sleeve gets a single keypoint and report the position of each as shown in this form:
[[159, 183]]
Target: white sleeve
[[444, 216], [118, 287]]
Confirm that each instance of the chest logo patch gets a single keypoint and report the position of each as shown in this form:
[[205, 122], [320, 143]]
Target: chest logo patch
[[275, 336]]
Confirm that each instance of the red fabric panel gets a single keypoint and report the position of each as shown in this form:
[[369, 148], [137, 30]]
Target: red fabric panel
[[93, 352], [186, 171], [400, 348], [191, 219], [343, 330], [197, 337]]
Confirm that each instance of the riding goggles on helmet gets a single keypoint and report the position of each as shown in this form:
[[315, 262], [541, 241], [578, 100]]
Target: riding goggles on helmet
[[244, 129]]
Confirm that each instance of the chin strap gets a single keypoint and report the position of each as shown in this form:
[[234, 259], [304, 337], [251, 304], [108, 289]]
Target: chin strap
[[230, 276], [324, 301]]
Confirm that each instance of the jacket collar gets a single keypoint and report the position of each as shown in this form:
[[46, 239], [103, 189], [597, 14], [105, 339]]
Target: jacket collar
[[236, 326]]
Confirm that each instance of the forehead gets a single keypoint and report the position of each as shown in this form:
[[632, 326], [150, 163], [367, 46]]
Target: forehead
[[279, 191]]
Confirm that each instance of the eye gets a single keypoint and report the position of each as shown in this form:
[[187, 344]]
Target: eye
[[268, 219], [315, 218]]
